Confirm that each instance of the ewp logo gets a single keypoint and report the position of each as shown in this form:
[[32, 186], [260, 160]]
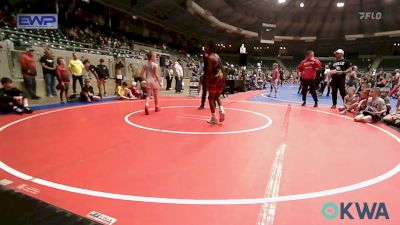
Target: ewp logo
[[37, 21], [330, 211]]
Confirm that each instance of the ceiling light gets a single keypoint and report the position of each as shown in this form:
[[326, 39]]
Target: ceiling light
[[281, 1], [302, 5], [340, 4]]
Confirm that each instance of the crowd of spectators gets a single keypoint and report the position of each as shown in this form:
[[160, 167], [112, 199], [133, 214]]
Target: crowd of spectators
[[66, 74]]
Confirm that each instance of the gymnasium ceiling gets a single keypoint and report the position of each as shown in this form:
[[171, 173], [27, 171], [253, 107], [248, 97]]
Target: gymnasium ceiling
[[319, 18]]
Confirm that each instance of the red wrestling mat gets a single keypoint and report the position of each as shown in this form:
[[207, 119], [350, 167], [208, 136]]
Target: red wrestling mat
[[267, 164]]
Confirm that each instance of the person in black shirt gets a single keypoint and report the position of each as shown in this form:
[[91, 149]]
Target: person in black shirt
[[339, 69], [88, 70], [87, 94], [47, 62], [281, 76], [103, 74], [12, 99], [320, 79]]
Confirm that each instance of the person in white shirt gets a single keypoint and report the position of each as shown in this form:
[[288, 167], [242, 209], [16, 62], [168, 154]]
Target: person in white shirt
[[9, 45], [327, 81], [178, 73], [169, 77]]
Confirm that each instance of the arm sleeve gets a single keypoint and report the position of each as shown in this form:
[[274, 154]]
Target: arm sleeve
[[106, 69], [18, 92], [382, 105], [300, 67], [348, 64], [23, 62], [317, 64], [92, 69], [4, 97], [120, 91], [58, 74]]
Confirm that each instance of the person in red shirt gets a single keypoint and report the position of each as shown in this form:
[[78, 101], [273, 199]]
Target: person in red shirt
[[307, 70], [63, 79], [275, 79], [28, 69]]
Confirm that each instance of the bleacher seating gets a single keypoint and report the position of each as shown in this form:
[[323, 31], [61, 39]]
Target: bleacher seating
[[389, 65]]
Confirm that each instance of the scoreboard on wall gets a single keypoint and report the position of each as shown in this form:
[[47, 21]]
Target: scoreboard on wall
[[267, 33]]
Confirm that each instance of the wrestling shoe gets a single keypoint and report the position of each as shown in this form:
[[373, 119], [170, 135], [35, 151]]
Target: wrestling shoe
[[221, 116], [28, 110], [316, 105], [333, 107], [158, 109], [146, 110], [18, 110], [304, 103], [213, 120]]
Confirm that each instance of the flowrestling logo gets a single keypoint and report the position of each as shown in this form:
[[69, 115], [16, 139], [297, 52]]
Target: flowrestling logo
[[108, 220], [355, 210], [37, 21], [370, 15]]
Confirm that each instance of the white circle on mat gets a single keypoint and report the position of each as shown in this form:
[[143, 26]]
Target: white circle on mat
[[268, 122]]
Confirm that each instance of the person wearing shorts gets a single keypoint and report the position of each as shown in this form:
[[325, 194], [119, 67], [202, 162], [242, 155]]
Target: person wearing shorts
[[151, 81], [118, 75], [102, 75], [376, 108], [307, 70], [215, 83], [394, 118], [63, 79], [339, 69], [275, 79]]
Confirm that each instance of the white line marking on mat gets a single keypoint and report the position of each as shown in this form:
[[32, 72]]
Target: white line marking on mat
[[267, 213], [207, 117], [192, 118]]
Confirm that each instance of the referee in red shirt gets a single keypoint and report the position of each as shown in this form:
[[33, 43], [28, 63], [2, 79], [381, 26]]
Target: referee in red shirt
[[307, 70]]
